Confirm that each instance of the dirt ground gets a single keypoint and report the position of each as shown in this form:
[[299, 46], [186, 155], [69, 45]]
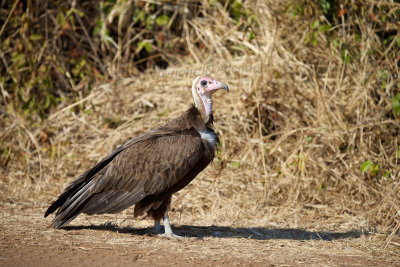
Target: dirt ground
[[119, 240]]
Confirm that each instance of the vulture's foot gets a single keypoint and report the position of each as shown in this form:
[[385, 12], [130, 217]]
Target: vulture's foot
[[168, 230], [171, 236]]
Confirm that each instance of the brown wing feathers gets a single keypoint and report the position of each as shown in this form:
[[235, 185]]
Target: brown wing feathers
[[80, 182], [144, 171]]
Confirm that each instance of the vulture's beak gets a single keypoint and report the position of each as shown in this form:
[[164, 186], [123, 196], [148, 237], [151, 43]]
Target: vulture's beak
[[225, 87], [216, 85]]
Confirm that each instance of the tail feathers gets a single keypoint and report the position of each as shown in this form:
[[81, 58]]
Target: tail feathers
[[68, 191], [58, 203], [65, 217], [73, 206], [64, 200], [70, 202]]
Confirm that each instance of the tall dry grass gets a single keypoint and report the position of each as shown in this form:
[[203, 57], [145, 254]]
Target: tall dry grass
[[296, 128]]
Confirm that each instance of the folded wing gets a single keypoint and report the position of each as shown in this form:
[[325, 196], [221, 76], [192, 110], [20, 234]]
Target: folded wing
[[160, 162]]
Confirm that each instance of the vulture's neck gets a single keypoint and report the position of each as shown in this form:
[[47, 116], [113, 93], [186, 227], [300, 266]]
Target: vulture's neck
[[205, 108]]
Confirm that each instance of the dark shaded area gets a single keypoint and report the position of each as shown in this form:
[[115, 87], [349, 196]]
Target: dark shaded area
[[256, 233], [54, 51]]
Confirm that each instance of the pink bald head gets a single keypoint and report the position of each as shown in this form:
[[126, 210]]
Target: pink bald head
[[208, 85], [203, 87]]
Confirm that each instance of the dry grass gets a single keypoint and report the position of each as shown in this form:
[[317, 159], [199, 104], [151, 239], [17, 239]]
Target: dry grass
[[295, 129]]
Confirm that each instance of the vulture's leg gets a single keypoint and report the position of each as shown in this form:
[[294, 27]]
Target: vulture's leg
[[167, 227], [157, 226]]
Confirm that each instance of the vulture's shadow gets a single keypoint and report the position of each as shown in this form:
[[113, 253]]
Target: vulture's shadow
[[257, 233]]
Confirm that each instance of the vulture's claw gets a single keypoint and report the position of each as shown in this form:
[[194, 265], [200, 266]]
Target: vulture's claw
[[171, 236]]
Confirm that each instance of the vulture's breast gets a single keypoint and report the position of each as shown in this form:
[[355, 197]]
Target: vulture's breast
[[210, 136]]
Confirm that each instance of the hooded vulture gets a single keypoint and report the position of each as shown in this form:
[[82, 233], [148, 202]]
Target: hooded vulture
[[148, 169]]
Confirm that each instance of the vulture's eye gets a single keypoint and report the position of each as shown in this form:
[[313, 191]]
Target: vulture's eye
[[203, 83]]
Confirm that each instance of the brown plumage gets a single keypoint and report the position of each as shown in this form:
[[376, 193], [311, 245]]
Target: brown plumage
[[148, 169]]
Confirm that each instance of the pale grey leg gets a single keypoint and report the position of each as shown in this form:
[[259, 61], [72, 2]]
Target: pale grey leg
[[167, 227]]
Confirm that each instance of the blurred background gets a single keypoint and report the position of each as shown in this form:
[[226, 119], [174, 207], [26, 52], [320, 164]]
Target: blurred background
[[309, 131]]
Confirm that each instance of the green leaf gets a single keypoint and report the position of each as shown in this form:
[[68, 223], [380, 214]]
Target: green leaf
[[52, 152], [346, 56], [47, 102], [236, 10], [366, 166], [17, 58], [321, 187], [149, 22], [144, 44], [138, 15], [396, 104], [386, 174], [307, 39], [61, 19], [147, 47], [97, 27], [325, 28], [35, 37], [234, 164], [6, 42], [73, 10], [237, 5], [326, 6], [383, 75], [335, 42], [60, 69], [374, 169], [314, 40], [162, 20], [252, 36], [314, 24]]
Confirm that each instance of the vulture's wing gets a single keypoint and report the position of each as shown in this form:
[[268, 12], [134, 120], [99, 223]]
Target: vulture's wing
[[147, 165]]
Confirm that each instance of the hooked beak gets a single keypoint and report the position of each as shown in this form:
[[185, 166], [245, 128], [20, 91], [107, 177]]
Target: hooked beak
[[225, 87]]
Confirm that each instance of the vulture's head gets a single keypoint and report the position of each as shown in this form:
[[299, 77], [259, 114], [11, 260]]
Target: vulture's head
[[202, 89]]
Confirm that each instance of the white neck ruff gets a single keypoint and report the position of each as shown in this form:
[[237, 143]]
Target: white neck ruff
[[210, 136]]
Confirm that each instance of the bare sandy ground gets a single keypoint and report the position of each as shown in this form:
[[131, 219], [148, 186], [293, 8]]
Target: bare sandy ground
[[110, 240]]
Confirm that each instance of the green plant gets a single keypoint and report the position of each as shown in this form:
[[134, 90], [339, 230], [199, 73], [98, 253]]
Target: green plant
[[396, 104], [372, 168]]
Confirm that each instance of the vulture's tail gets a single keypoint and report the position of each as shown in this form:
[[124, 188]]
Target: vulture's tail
[[70, 202], [75, 196]]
